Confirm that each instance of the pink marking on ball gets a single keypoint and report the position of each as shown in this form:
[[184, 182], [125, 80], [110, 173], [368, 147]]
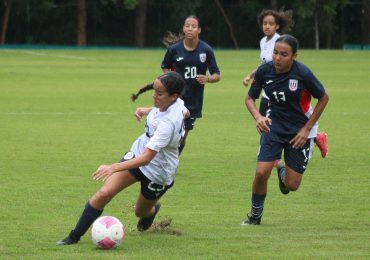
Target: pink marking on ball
[[108, 222], [107, 243]]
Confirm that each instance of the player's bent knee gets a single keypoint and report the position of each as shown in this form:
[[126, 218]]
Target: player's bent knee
[[293, 185], [103, 196]]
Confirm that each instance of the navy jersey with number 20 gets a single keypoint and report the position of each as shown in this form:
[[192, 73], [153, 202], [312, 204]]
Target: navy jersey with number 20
[[189, 64], [290, 96]]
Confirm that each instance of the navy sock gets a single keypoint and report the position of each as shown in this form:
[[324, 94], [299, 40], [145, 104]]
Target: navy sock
[[88, 216], [257, 205]]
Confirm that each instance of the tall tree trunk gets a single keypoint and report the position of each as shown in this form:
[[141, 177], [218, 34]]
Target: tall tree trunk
[[229, 24], [81, 22], [365, 22], [317, 39], [274, 4], [4, 29], [140, 23]]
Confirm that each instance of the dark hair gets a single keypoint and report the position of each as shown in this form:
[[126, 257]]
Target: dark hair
[[290, 40], [172, 38], [172, 81], [283, 18]]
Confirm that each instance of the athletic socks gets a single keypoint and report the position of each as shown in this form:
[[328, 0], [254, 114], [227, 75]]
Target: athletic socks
[[257, 205], [88, 216]]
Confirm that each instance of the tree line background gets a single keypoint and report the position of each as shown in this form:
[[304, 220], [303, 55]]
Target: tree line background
[[143, 23]]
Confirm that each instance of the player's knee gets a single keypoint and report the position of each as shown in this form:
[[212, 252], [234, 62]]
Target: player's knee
[[104, 195], [293, 185], [261, 175]]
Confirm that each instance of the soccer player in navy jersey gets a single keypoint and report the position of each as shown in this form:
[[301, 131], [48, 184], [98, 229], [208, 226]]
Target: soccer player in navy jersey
[[290, 124], [191, 58], [272, 23]]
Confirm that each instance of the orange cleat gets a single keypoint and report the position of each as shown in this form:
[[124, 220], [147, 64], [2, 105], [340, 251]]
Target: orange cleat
[[321, 143]]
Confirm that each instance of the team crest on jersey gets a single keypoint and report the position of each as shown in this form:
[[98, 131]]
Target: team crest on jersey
[[293, 84], [203, 57]]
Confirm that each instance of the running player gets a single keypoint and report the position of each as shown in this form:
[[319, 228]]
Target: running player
[[272, 23], [192, 58], [292, 124], [144, 163]]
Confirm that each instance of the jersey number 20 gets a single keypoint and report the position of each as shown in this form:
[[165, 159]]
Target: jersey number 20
[[190, 72]]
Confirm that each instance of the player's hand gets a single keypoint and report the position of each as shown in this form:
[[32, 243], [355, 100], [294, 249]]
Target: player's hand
[[103, 172], [202, 79], [262, 124], [300, 139], [246, 80], [140, 112]]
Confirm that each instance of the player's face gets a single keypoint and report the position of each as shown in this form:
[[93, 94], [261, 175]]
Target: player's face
[[283, 57], [161, 97], [269, 26], [191, 29]]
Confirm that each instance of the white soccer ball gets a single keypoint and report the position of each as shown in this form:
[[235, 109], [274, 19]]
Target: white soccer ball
[[107, 232]]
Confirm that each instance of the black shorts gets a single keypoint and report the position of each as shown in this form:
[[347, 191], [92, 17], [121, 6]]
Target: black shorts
[[149, 189], [190, 122], [272, 145]]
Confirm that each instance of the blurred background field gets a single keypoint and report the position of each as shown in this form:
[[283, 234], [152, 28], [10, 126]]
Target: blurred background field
[[64, 112]]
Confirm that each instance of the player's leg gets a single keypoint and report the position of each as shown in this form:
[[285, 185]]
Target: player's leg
[[269, 151], [189, 125], [147, 205], [94, 207], [296, 160]]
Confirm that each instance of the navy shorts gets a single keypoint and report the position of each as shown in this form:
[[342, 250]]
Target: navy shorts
[[149, 189], [190, 122], [272, 145]]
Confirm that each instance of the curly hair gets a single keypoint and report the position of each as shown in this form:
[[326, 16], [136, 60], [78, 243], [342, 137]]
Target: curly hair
[[283, 18]]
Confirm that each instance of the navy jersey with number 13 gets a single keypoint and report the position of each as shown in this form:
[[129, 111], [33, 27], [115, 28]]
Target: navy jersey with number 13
[[290, 96], [189, 64]]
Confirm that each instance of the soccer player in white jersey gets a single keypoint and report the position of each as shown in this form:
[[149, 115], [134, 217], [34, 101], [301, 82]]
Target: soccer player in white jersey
[[152, 160], [272, 23]]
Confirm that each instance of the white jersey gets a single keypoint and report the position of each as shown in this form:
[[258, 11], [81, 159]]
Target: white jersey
[[267, 48], [163, 133]]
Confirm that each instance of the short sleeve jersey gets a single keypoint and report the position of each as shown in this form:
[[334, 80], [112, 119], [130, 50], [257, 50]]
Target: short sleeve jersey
[[267, 48], [290, 96], [163, 131], [189, 64]]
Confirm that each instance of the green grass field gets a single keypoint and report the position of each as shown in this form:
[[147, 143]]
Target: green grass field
[[65, 112]]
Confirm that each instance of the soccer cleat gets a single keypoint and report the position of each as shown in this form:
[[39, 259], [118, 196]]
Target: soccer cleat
[[320, 141], [251, 221], [284, 189], [69, 240], [145, 223]]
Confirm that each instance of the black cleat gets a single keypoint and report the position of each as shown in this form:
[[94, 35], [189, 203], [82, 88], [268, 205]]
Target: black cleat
[[145, 223], [251, 221], [69, 240], [284, 189]]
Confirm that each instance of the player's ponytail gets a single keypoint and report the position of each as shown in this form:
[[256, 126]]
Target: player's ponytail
[[172, 38], [142, 90], [172, 81]]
